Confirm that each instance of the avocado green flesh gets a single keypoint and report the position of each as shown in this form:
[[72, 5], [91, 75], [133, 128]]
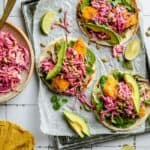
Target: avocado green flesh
[[90, 56], [128, 4], [77, 123], [75, 127], [135, 91], [61, 56], [115, 38], [95, 91]]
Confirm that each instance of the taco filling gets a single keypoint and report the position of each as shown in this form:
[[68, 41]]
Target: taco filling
[[107, 20], [68, 68], [120, 99]]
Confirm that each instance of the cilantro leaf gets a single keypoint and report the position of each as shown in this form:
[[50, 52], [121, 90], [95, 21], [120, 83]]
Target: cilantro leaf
[[58, 102], [53, 98], [102, 80], [127, 65], [147, 102], [84, 4]]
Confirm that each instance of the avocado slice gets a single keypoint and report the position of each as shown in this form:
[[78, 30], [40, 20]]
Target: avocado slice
[[77, 128], [77, 123], [115, 2], [115, 37], [60, 59], [90, 57], [129, 5], [90, 61], [135, 91]]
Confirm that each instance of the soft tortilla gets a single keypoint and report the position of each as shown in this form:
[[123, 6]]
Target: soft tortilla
[[113, 128], [44, 54], [128, 34]]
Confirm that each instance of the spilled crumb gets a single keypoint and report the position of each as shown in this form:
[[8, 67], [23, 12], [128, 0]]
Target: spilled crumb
[[42, 45], [104, 60]]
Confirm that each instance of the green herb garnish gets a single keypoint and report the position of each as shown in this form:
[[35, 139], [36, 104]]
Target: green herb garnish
[[90, 60], [57, 46], [56, 106], [121, 121], [53, 98], [147, 102], [115, 2], [84, 4], [90, 57], [120, 59], [148, 120], [127, 65], [89, 70], [103, 80], [60, 10], [99, 106], [71, 43], [118, 75], [58, 102], [86, 108], [128, 5]]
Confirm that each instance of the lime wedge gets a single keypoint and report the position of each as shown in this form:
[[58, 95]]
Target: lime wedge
[[133, 49], [128, 147], [46, 21]]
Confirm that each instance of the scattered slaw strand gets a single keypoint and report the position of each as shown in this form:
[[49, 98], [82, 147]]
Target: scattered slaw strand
[[64, 24], [118, 50]]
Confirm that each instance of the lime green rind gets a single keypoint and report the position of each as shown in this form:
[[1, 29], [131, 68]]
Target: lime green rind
[[46, 21]]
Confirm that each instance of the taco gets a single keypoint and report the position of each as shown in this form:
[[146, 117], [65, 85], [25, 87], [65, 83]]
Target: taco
[[121, 100], [67, 67], [108, 22]]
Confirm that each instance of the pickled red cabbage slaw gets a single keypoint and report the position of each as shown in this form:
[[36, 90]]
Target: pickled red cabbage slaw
[[14, 59], [120, 106], [72, 71], [117, 17]]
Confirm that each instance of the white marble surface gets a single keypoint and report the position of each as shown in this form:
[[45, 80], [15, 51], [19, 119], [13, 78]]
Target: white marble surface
[[24, 110]]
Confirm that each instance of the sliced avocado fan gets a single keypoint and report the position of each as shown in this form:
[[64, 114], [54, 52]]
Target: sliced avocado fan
[[115, 38], [60, 59], [77, 123], [77, 128], [135, 91]]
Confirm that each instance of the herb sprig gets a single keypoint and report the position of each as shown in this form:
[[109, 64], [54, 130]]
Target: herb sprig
[[58, 102]]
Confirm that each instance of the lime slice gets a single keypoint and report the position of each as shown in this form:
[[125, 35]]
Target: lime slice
[[133, 49], [128, 147], [46, 21]]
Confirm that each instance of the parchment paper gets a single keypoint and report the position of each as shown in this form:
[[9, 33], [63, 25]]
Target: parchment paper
[[52, 122]]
